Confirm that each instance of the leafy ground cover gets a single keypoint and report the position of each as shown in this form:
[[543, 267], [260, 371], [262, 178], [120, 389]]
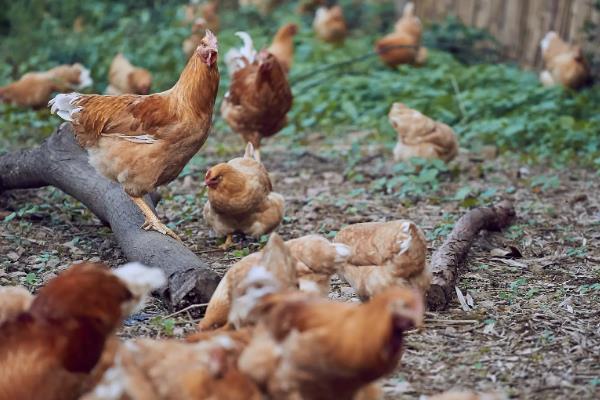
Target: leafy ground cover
[[533, 330]]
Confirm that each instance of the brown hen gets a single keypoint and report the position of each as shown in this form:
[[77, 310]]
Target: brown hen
[[330, 25], [123, 77], [564, 64]]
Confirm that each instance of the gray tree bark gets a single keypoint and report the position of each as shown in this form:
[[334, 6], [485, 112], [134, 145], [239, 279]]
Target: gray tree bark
[[446, 261], [59, 161]]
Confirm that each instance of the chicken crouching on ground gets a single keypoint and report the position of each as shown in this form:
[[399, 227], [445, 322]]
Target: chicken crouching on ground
[[54, 346], [420, 136], [314, 260], [564, 65], [385, 254], [124, 78], [241, 198], [330, 25], [143, 142], [308, 347], [34, 89]]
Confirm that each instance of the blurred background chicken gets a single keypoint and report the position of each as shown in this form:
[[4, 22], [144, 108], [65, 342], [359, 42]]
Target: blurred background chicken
[[241, 198], [564, 64], [13, 301], [52, 348], [420, 136], [143, 142], [268, 271], [282, 46], [308, 347], [35, 89], [403, 45], [205, 12], [265, 7], [309, 6], [123, 77], [330, 25], [259, 95], [314, 259], [147, 369], [191, 43], [385, 254]]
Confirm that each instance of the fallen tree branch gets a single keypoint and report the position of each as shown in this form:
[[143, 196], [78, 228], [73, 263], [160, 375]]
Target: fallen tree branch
[[446, 260], [62, 163]]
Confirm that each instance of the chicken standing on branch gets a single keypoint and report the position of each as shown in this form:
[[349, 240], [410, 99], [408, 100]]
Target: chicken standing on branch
[[330, 25], [143, 142], [385, 254], [34, 89], [308, 347], [124, 78], [314, 258], [403, 45], [282, 46], [241, 198], [565, 65], [259, 97], [420, 136], [54, 346]]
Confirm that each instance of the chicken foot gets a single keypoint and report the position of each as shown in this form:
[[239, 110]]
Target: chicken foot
[[228, 242], [152, 222]]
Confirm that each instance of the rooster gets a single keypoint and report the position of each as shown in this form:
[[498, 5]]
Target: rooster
[[53, 347], [330, 25], [384, 254], [143, 142], [565, 65], [34, 89], [420, 136], [308, 347], [259, 97], [241, 198], [123, 77], [403, 45], [282, 46]]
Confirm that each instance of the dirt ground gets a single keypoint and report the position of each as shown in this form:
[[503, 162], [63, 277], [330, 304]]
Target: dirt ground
[[533, 331]]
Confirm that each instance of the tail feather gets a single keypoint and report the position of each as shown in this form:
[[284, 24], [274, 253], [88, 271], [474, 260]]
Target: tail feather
[[63, 106], [85, 78], [409, 9], [236, 59], [140, 280]]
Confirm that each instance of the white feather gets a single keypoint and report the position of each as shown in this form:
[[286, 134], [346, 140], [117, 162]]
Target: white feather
[[62, 105], [405, 244], [141, 139], [140, 280], [547, 39], [236, 59], [85, 78], [342, 252]]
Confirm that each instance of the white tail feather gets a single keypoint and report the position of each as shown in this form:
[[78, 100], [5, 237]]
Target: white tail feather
[[140, 280], [85, 78], [545, 42], [236, 59], [62, 105]]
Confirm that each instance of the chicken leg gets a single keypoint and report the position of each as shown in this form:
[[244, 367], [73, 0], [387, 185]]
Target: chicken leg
[[228, 242], [152, 222]]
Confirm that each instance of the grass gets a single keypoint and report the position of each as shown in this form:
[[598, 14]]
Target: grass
[[493, 103]]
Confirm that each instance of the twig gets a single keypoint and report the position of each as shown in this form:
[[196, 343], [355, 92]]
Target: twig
[[190, 307], [453, 321]]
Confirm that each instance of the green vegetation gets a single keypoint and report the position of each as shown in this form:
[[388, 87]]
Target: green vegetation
[[486, 103]]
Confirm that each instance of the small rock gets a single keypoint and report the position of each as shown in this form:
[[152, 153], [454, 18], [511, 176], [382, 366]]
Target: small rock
[[13, 256]]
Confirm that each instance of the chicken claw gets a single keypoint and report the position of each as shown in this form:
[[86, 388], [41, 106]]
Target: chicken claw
[[152, 222], [228, 243]]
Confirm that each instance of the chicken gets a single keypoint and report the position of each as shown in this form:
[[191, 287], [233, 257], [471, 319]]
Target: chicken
[[275, 259], [330, 25], [420, 136], [309, 6], [384, 254], [403, 45], [282, 46], [54, 346], [259, 97], [455, 395], [147, 369], [205, 12], [13, 301], [565, 65], [34, 89], [123, 77], [308, 347], [241, 198], [143, 142], [265, 7]]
